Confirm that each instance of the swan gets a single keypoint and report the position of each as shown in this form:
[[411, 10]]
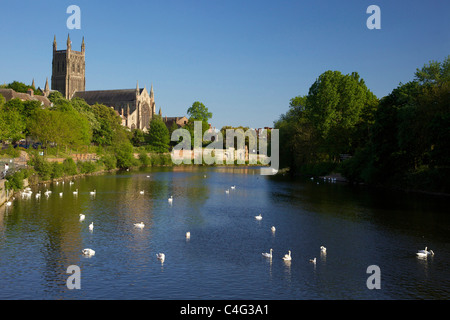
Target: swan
[[227, 191], [38, 195], [170, 199], [141, 192], [188, 235], [258, 217], [287, 257], [8, 204], [267, 255], [60, 194], [273, 229], [424, 253], [161, 256], [82, 216], [323, 249], [312, 260], [75, 193], [47, 193], [88, 252], [91, 226], [233, 187], [70, 183], [139, 225], [93, 192]]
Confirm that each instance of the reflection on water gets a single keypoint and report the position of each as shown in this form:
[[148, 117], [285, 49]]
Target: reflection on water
[[41, 237]]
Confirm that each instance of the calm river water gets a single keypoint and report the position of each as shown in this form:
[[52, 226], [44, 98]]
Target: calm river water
[[40, 238]]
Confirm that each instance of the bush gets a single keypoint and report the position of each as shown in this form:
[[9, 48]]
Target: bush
[[57, 170], [42, 167], [144, 159], [124, 155], [87, 166], [14, 153], [70, 167], [160, 159], [109, 161], [15, 181]]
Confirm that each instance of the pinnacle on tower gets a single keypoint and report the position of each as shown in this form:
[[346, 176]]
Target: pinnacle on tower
[[83, 46], [54, 42], [69, 43], [32, 84], [137, 87], [151, 91], [46, 88]]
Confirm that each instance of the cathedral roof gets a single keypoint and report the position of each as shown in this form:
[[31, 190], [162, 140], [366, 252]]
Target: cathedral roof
[[107, 96]]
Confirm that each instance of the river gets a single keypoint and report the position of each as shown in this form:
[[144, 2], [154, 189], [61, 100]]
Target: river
[[222, 259]]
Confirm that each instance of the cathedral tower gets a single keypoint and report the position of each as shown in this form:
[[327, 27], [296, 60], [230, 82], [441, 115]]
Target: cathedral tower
[[68, 69]]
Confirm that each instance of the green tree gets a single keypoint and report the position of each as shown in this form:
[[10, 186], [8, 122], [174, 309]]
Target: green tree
[[12, 125], [158, 136], [137, 137], [110, 125], [198, 111], [336, 105]]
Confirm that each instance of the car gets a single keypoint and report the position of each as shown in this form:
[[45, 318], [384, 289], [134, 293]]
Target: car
[[38, 145]]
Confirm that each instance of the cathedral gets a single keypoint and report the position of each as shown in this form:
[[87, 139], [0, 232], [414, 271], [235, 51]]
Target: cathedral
[[136, 107]]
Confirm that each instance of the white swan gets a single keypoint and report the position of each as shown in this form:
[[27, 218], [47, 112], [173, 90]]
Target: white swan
[[141, 192], [424, 253], [170, 199], [233, 187], [227, 191], [60, 194], [88, 252], [312, 260], [323, 249], [139, 225], [161, 257], [93, 192], [82, 217], [8, 204], [38, 195], [258, 217], [188, 235], [91, 226], [267, 255], [287, 257], [75, 193], [273, 229]]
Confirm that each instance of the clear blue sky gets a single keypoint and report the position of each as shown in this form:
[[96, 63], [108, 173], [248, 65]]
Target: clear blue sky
[[243, 59]]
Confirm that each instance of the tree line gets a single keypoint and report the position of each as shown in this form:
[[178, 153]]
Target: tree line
[[75, 126], [401, 140]]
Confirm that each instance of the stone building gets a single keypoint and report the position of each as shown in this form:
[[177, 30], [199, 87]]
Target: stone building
[[9, 94], [68, 69], [180, 121], [136, 107]]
